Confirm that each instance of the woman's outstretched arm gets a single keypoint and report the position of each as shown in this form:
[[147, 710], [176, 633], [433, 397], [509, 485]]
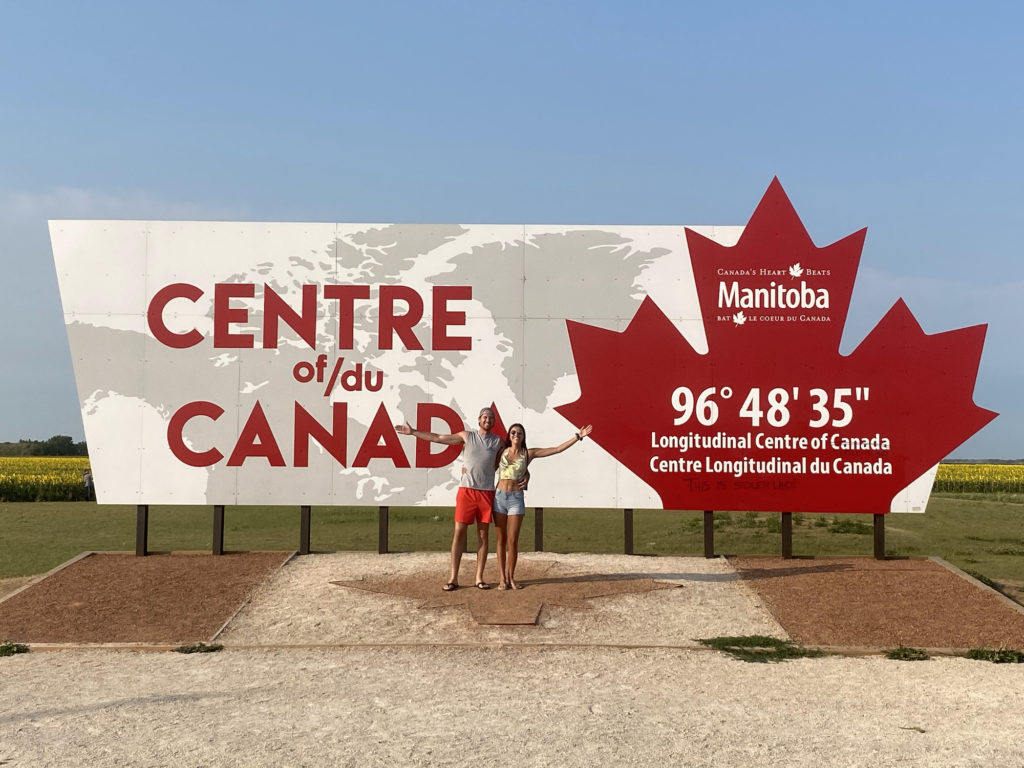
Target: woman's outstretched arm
[[540, 453]]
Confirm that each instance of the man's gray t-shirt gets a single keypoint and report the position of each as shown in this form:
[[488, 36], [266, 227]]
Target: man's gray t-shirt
[[478, 459]]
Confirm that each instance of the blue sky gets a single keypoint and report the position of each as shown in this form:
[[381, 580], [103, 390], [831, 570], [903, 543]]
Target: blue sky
[[905, 118]]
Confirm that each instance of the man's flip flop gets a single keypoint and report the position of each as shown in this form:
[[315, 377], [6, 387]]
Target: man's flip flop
[[482, 585], [451, 586]]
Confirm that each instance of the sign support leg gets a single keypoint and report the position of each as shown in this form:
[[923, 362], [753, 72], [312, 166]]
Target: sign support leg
[[305, 513], [709, 533], [879, 537], [382, 530], [141, 530], [218, 529], [787, 535], [627, 523]]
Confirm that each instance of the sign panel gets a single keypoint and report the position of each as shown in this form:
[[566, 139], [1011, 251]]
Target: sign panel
[[254, 363], [771, 410]]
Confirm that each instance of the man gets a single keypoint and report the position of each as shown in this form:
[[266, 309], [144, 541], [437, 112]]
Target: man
[[474, 501]]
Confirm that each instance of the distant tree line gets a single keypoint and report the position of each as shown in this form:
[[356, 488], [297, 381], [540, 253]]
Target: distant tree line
[[983, 461], [58, 445]]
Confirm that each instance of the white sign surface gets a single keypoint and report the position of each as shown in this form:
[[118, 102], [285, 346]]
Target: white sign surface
[[255, 363]]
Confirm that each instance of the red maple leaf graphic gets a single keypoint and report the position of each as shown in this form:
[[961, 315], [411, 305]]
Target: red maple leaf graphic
[[773, 417]]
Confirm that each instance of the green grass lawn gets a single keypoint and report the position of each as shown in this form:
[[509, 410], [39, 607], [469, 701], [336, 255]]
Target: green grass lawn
[[977, 535]]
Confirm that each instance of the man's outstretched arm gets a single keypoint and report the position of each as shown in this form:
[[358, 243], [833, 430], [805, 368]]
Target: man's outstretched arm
[[457, 438]]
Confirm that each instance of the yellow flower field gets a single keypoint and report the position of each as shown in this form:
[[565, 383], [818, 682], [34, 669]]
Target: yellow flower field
[[43, 478], [979, 478]]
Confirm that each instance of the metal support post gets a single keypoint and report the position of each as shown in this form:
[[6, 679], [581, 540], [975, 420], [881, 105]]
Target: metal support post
[[382, 530], [787, 534], [627, 524], [879, 537], [142, 530], [709, 533], [305, 513], [218, 529]]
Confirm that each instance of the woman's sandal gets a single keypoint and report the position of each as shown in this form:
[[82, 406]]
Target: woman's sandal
[[482, 585], [502, 586], [514, 585], [451, 586]]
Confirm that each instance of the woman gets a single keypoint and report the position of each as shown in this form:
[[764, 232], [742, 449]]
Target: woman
[[509, 502]]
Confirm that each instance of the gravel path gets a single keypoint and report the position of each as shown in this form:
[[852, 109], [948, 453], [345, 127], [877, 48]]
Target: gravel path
[[300, 605], [505, 706]]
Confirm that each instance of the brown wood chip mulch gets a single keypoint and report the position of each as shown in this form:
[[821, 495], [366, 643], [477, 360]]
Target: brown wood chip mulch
[[862, 602], [172, 599]]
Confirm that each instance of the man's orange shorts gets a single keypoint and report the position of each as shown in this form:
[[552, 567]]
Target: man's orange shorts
[[473, 506]]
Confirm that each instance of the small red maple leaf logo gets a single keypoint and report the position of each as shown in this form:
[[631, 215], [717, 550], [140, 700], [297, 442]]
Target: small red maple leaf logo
[[773, 417]]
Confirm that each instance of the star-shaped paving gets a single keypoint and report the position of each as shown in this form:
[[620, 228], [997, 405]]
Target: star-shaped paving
[[542, 584]]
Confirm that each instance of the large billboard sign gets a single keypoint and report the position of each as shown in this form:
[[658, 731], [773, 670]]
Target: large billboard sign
[[239, 363]]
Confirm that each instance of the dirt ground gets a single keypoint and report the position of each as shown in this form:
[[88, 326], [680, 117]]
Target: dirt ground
[[869, 603], [359, 659], [120, 598]]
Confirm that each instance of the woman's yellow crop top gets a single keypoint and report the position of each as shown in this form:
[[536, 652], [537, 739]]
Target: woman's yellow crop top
[[514, 470]]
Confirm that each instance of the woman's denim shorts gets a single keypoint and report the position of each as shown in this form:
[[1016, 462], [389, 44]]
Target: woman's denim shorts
[[509, 503]]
